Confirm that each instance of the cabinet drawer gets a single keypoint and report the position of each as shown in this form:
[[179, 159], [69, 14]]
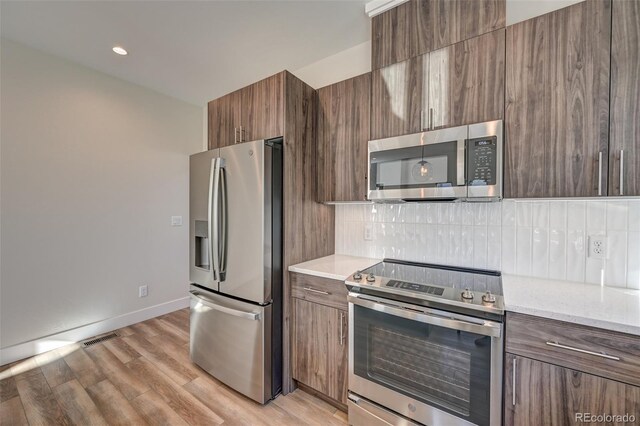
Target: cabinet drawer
[[593, 350], [319, 290]]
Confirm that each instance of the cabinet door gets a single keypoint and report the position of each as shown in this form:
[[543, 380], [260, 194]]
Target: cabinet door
[[338, 355], [396, 98], [262, 114], [223, 119], [547, 394], [557, 106], [393, 34], [466, 82], [310, 358], [421, 26], [625, 99], [343, 134]]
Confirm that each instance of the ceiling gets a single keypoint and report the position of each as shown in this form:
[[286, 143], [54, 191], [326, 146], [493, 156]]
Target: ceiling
[[191, 50]]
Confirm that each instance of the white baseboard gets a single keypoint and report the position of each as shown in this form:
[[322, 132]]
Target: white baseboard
[[57, 340]]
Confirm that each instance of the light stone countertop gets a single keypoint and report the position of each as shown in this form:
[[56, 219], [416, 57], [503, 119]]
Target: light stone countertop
[[335, 267], [611, 308]]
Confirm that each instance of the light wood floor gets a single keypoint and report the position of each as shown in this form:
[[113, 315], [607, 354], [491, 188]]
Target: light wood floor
[[143, 377]]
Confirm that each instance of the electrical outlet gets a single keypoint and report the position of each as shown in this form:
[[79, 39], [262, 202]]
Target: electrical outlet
[[143, 291], [176, 220], [368, 232], [598, 246]]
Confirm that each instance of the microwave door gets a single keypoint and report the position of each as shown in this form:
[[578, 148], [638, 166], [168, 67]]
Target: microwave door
[[420, 166]]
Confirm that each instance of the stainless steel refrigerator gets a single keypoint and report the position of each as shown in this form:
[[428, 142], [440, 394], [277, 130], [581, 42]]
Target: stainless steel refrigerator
[[235, 258]]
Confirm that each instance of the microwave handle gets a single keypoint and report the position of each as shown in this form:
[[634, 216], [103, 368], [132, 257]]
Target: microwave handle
[[461, 163]]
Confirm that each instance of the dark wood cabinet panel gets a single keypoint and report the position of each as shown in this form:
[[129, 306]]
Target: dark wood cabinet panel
[[466, 82], [625, 99], [557, 102], [343, 134], [262, 113], [421, 26], [394, 35], [223, 120], [320, 348], [530, 336], [396, 98], [547, 394]]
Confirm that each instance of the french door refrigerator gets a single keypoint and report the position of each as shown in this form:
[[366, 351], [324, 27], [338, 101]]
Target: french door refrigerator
[[236, 266]]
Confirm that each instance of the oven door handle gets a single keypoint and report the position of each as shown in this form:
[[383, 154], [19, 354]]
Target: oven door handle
[[487, 328]]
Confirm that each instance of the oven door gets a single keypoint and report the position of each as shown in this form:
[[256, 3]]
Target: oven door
[[418, 166], [431, 366]]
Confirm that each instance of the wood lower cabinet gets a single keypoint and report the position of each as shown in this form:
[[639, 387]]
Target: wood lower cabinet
[[319, 348], [537, 393], [422, 26], [252, 113], [624, 143], [557, 103], [460, 84], [343, 135]]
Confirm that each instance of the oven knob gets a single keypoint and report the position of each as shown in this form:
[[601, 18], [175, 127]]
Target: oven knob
[[371, 278], [467, 294], [357, 276], [488, 298]]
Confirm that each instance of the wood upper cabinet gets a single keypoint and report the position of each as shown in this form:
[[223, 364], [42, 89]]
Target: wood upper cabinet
[[547, 394], [343, 135], [223, 118], [319, 356], [624, 145], [457, 85], [396, 98], [254, 112], [421, 26], [466, 82], [262, 113], [557, 103]]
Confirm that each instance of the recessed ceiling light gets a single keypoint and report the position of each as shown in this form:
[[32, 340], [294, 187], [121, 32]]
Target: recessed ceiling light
[[119, 50]]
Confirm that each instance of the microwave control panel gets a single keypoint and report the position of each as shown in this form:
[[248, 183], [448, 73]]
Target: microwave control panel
[[482, 159]]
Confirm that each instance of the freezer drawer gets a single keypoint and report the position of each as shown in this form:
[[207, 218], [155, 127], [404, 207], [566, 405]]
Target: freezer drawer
[[230, 339]]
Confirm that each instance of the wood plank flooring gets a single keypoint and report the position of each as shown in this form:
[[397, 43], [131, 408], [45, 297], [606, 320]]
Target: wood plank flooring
[[143, 377]]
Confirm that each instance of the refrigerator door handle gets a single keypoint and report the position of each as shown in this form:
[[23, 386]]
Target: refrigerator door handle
[[214, 207], [253, 316], [225, 228]]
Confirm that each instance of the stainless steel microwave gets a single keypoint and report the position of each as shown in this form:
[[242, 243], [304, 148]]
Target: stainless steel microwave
[[458, 163]]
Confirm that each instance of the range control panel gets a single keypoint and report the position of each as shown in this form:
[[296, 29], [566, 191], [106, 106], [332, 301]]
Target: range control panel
[[416, 287], [482, 161]]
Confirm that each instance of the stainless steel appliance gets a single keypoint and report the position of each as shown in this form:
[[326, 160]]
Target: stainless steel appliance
[[464, 162], [236, 266], [425, 345]]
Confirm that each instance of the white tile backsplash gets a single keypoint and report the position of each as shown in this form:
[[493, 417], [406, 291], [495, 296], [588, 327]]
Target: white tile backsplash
[[538, 238]]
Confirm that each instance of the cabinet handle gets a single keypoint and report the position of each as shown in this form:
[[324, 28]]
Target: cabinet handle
[[313, 290], [235, 135], [583, 351], [600, 173], [422, 119], [341, 328], [241, 134], [431, 118], [622, 172], [513, 383]]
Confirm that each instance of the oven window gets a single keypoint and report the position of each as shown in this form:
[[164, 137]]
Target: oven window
[[421, 166], [447, 369]]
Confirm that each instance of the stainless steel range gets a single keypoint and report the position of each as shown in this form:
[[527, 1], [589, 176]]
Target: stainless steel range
[[425, 345]]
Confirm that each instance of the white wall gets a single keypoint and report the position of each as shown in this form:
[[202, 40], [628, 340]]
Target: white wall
[[539, 238], [92, 169], [341, 66]]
